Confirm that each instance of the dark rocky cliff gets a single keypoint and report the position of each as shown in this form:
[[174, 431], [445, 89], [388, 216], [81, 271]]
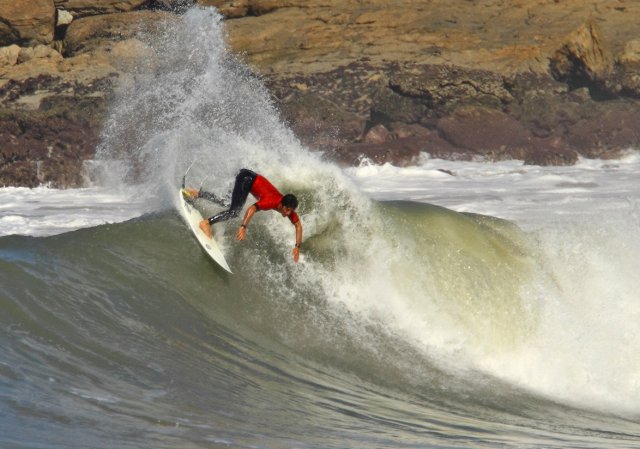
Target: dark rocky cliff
[[543, 81]]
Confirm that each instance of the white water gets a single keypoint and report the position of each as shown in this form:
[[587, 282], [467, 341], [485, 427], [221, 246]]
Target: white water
[[585, 224], [43, 211], [531, 196]]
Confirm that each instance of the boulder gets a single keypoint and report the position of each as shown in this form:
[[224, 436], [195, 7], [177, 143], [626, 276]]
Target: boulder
[[19, 173], [49, 145], [549, 151], [390, 105], [233, 9], [230, 9], [483, 131], [583, 60], [445, 87], [177, 6], [9, 55], [38, 52], [83, 8], [609, 134], [63, 18], [400, 152], [132, 55], [90, 33], [377, 135], [27, 22], [439, 148], [318, 122], [630, 56]]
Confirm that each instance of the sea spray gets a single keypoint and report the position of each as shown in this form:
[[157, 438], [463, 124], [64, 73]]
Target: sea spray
[[195, 103]]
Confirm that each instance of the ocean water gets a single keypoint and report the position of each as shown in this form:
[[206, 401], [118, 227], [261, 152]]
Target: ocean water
[[447, 305]]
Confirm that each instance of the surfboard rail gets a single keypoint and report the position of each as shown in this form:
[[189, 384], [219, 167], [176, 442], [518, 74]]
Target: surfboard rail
[[193, 218]]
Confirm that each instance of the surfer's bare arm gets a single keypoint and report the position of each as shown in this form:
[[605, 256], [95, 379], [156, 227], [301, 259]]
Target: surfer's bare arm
[[242, 231], [296, 249]]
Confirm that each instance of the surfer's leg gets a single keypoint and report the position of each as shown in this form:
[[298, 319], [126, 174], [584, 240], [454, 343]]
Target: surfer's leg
[[241, 190], [209, 196], [193, 194]]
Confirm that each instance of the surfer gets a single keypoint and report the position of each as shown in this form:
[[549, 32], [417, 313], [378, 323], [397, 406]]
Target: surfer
[[269, 198]]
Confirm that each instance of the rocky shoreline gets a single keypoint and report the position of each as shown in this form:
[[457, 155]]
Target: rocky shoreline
[[541, 81]]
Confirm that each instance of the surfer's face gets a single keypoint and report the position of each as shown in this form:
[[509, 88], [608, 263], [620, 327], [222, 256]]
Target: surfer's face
[[285, 211]]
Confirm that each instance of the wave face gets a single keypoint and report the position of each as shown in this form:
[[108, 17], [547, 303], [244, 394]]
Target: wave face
[[405, 324], [127, 335]]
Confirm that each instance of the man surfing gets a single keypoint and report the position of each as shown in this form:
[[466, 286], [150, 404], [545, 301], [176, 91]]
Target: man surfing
[[269, 198]]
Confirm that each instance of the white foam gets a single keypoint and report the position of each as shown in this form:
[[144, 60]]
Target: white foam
[[529, 195], [43, 211], [584, 223]]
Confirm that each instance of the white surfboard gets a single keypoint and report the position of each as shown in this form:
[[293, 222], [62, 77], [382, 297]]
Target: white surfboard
[[193, 218]]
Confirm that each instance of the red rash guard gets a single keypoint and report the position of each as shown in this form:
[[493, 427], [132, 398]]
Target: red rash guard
[[268, 196]]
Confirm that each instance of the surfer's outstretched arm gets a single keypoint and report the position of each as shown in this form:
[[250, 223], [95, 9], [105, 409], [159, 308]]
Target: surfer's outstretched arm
[[296, 249], [248, 215]]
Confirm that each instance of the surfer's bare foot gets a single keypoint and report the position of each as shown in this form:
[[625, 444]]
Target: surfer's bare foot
[[192, 194], [206, 228]]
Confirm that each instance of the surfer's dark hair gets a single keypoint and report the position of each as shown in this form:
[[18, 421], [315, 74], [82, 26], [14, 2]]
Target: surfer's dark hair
[[289, 200]]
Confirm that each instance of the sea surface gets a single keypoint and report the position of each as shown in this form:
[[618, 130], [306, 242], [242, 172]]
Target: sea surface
[[446, 305]]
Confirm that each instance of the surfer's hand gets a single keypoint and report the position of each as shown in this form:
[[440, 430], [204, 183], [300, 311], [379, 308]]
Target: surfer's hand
[[296, 254], [241, 234]]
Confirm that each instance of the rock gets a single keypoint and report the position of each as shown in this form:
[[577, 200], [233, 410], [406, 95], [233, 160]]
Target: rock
[[132, 55], [400, 152], [27, 23], [446, 87], [64, 17], [318, 122], [19, 173], [483, 131], [609, 134], [261, 7], [38, 52], [625, 81], [379, 134], [549, 151], [439, 148], [400, 130], [89, 33], [233, 9], [49, 146], [630, 57], [83, 8], [545, 106], [177, 6], [9, 55], [390, 105], [229, 9], [382, 79], [583, 60]]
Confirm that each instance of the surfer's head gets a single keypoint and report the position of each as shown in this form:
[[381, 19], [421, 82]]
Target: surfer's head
[[288, 204], [290, 201]]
